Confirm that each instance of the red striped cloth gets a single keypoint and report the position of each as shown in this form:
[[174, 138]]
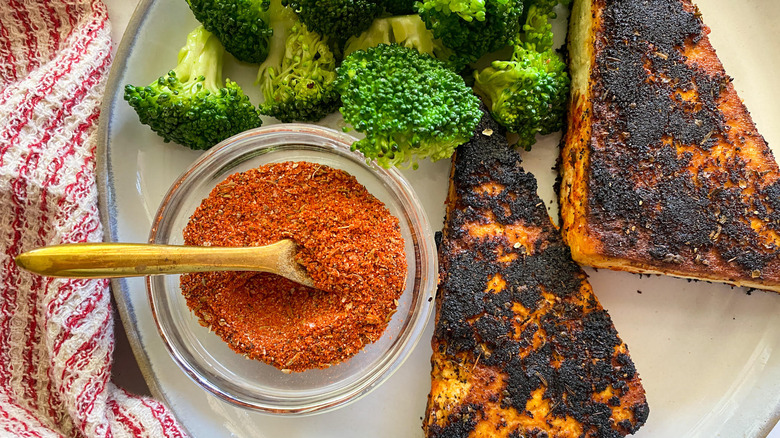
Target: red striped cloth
[[56, 336]]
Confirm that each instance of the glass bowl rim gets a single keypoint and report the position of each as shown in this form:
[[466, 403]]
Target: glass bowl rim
[[425, 259]]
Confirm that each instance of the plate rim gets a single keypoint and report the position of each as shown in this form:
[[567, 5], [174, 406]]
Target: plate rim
[[107, 207]]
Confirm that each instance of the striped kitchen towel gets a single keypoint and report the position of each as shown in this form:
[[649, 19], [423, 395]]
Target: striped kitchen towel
[[56, 335]]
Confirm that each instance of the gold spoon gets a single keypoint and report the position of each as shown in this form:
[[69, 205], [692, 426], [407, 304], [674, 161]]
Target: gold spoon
[[107, 260]]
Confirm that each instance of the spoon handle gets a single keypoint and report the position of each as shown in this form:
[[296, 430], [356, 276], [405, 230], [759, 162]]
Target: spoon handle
[[107, 260]]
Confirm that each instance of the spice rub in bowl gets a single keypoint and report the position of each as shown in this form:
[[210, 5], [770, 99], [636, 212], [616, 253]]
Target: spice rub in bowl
[[349, 242], [254, 384]]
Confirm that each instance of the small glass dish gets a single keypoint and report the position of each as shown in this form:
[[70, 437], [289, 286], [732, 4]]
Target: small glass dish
[[209, 361]]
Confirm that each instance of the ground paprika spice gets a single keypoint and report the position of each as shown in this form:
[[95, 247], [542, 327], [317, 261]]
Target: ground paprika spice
[[349, 242]]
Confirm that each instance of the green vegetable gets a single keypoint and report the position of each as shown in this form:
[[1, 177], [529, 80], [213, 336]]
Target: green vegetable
[[473, 28], [336, 19], [243, 26], [190, 105], [400, 7], [537, 30], [297, 77], [527, 94], [404, 30], [408, 104]]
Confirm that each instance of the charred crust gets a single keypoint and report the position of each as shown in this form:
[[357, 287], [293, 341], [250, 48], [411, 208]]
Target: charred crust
[[488, 159], [641, 411], [641, 189], [460, 423], [576, 358]]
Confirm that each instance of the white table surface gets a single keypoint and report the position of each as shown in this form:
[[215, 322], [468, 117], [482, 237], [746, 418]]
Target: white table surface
[[125, 371]]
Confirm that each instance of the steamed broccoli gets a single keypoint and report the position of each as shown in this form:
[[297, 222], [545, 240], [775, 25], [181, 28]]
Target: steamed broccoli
[[189, 105], [336, 19], [297, 77], [407, 31], [473, 28], [400, 7], [407, 103], [537, 30], [243, 26], [527, 94]]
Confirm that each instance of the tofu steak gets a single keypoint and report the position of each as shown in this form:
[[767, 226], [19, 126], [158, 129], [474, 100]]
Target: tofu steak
[[663, 170], [521, 347]]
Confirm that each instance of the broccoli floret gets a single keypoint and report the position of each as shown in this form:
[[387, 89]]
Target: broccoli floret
[[537, 30], [400, 7], [407, 31], [466, 9], [190, 105], [473, 28], [528, 93], [407, 103], [297, 77], [543, 5], [243, 26], [336, 19]]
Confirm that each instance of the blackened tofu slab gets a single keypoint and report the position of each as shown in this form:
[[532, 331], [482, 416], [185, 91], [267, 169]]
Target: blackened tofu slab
[[663, 168], [521, 347]]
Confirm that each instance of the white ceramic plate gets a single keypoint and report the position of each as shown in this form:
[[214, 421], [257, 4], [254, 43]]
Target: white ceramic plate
[[708, 355]]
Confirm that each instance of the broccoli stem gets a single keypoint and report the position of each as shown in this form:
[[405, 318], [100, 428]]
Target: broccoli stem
[[202, 55], [282, 20]]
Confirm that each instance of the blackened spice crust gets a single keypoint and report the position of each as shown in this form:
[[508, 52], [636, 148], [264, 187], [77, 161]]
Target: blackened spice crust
[[516, 322], [669, 184]]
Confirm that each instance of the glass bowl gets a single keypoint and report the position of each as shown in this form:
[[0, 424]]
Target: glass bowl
[[209, 361]]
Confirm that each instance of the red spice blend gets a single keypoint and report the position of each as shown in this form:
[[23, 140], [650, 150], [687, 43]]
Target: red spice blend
[[349, 242]]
